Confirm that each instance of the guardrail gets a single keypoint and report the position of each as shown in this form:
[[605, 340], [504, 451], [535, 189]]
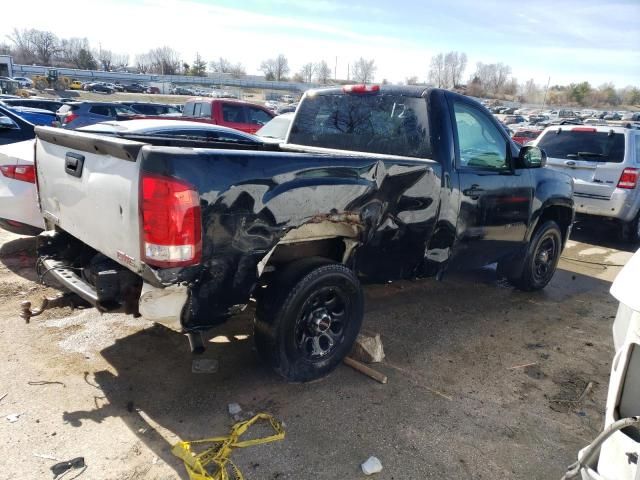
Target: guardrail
[[212, 79]]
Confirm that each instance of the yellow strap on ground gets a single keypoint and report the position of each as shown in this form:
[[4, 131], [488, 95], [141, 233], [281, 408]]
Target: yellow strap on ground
[[214, 463]]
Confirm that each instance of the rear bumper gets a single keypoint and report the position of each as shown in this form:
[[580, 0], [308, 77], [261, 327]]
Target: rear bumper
[[160, 305], [622, 205]]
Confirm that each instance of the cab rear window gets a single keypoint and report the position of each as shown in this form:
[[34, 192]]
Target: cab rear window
[[584, 145], [387, 124]]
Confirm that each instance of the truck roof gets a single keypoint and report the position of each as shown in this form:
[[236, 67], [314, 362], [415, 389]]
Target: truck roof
[[407, 90]]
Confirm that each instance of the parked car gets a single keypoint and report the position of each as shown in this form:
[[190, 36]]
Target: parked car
[[19, 212], [76, 85], [181, 91], [523, 136], [631, 116], [24, 82], [612, 116], [100, 87], [152, 90], [604, 163], [513, 119], [187, 236], [276, 129], [118, 87], [171, 128], [41, 103], [287, 108], [36, 116], [134, 88], [79, 114], [245, 116], [612, 455], [14, 128], [149, 108]]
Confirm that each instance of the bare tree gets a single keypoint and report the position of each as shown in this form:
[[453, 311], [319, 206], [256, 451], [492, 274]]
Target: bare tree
[[164, 60], [34, 45], [323, 72], [275, 68], [364, 70], [307, 71], [531, 92], [120, 61], [76, 53], [437, 74], [143, 63], [223, 65], [493, 77], [105, 58]]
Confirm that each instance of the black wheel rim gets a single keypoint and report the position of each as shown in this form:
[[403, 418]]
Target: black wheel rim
[[544, 259], [322, 323]]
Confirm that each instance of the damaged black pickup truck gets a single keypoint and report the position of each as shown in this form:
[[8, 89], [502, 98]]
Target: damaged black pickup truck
[[372, 184]]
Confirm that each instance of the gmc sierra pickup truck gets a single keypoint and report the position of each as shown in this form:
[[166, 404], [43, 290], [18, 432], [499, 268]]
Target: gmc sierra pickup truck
[[372, 184]]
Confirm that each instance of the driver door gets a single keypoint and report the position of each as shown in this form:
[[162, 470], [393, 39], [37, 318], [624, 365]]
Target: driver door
[[495, 197]]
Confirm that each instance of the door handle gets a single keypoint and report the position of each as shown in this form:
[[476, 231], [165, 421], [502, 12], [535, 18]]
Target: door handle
[[474, 192], [73, 164]]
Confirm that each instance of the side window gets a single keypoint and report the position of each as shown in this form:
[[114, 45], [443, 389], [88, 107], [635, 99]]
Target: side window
[[100, 110], [205, 110], [196, 109], [188, 110], [638, 149], [7, 124], [258, 116], [480, 143], [233, 113]]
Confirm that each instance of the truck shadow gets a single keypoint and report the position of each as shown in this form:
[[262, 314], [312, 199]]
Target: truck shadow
[[155, 393], [602, 234]]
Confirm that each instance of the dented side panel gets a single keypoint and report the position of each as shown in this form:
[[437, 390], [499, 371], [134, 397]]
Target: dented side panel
[[252, 201]]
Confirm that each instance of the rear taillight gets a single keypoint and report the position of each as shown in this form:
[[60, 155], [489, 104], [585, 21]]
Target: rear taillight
[[24, 173], [68, 118], [361, 88], [629, 178], [171, 219]]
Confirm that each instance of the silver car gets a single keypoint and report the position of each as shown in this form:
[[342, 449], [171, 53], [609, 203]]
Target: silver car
[[604, 162]]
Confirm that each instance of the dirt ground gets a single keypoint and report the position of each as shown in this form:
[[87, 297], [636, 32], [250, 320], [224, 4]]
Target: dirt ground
[[482, 382]]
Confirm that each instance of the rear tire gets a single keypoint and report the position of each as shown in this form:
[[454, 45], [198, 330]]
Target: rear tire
[[308, 318], [630, 231], [543, 254]]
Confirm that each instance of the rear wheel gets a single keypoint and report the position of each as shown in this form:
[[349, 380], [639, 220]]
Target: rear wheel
[[630, 231], [542, 258], [308, 318]]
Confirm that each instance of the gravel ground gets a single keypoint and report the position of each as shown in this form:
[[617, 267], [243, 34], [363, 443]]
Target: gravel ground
[[479, 375]]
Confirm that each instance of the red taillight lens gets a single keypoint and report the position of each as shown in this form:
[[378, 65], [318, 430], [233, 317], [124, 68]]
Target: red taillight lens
[[629, 178], [24, 173], [68, 118], [171, 219], [361, 88]]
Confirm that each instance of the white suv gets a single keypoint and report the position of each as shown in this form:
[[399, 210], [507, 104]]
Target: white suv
[[604, 162]]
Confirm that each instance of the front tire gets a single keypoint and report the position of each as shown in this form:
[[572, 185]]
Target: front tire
[[543, 254], [308, 318]]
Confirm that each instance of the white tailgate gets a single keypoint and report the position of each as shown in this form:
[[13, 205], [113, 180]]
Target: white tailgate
[[100, 207]]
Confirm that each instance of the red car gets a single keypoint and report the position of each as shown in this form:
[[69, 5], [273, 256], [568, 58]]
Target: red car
[[524, 136], [245, 116]]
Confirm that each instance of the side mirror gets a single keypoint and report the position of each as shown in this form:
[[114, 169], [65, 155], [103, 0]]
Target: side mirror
[[7, 124], [532, 157]]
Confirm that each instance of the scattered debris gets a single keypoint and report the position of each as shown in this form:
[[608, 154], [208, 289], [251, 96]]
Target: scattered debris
[[523, 366], [60, 300], [61, 468], [578, 400], [46, 457], [2, 396], [234, 408], [204, 365], [368, 348], [44, 382], [368, 371], [214, 462], [371, 466], [13, 417]]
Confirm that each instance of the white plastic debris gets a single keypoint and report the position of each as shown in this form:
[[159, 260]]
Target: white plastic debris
[[371, 466], [234, 409], [14, 417], [368, 348]]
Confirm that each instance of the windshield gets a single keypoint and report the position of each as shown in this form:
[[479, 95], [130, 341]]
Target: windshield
[[383, 123], [276, 128], [584, 145]]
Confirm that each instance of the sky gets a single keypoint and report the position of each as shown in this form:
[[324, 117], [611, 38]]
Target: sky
[[566, 40]]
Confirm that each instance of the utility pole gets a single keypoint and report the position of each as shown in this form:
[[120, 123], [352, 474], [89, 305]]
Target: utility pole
[[545, 92], [348, 65], [335, 70]]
